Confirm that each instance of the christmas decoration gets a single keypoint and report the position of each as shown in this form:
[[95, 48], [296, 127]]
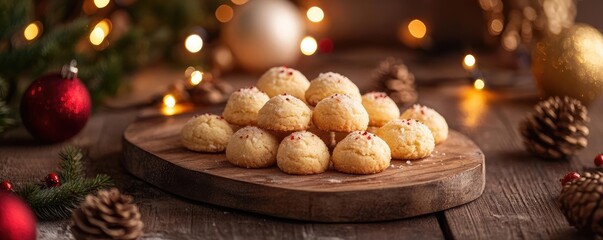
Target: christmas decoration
[[56, 106], [527, 21], [211, 92], [6, 186], [108, 215], [57, 201], [393, 77], [599, 160], [52, 180], [16, 219], [581, 202], [6, 119], [570, 64], [556, 128], [569, 177], [264, 33]]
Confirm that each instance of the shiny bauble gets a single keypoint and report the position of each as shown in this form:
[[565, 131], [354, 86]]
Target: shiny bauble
[[55, 107], [264, 34], [17, 222], [570, 64]]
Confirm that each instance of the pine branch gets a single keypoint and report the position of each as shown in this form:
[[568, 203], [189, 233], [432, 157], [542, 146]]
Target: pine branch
[[71, 164], [58, 202], [13, 15], [6, 120]]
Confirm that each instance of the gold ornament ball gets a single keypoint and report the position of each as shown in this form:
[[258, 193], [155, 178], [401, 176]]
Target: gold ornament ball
[[570, 64], [264, 34]]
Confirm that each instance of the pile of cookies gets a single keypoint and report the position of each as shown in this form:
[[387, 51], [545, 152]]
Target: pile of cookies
[[302, 126]]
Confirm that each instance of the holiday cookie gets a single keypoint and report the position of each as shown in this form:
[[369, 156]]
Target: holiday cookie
[[285, 113], [302, 153], [252, 147], [434, 121], [327, 84], [407, 138], [380, 107], [361, 152], [279, 80], [206, 133], [243, 106], [340, 113]]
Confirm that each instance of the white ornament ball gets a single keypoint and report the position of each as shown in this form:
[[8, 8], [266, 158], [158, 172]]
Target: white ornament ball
[[264, 34]]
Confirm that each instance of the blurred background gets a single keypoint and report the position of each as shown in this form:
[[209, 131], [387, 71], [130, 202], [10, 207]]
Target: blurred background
[[133, 53]]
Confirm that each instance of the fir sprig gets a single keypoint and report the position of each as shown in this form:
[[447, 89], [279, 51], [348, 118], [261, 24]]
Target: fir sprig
[[58, 202], [6, 119]]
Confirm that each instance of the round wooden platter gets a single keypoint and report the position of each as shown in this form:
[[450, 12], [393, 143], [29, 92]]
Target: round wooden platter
[[452, 176]]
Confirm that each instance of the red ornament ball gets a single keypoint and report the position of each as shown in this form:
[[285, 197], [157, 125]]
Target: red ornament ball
[[55, 107], [6, 186], [569, 177], [17, 222], [52, 180], [599, 160]]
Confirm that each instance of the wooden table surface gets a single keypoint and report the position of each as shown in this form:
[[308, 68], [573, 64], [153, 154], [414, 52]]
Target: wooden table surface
[[519, 201]]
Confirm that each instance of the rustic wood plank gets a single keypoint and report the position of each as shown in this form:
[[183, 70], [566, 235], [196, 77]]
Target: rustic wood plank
[[521, 189]]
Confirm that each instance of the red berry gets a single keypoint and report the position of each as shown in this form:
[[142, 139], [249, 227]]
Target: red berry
[[599, 160], [569, 177], [52, 180], [6, 186]]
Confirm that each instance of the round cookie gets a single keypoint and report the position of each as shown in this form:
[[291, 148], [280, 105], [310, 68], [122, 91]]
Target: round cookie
[[303, 153], [361, 152], [408, 139], [340, 113], [327, 84], [434, 121], [252, 147], [285, 113], [279, 80], [206, 133], [380, 107], [243, 106]]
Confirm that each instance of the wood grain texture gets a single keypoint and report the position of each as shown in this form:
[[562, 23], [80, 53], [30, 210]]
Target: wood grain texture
[[452, 176], [520, 200]]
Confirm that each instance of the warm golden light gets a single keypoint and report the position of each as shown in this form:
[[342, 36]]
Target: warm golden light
[[193, 43], [239, 2], [169, 101], [308, 46], [479, 84], [417, 28], [97, 36], [101, 3], [469, 62], [196, 77], [496, 26], [473, 105], [100, 32], [315, 14], [224, 13], [31, 31], [105, 25]]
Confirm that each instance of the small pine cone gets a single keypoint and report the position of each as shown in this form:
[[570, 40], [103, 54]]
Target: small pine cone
[[108, 215], [393, 77], [212, 92], [582, 202], [557, 128]]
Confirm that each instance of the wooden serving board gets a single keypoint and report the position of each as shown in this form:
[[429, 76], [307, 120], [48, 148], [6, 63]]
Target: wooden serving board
[[453, 175]]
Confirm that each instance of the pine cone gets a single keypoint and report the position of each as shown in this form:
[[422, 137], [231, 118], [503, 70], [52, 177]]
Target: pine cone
[[108, 215], [211, 92], [582, 202], [556, 128], [393, 77]]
